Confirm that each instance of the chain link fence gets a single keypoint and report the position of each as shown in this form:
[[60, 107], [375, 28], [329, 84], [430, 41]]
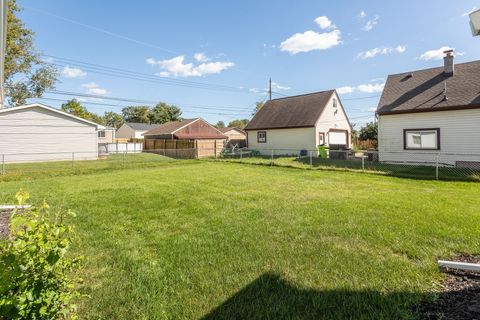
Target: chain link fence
[[424, 165], [418, 165]]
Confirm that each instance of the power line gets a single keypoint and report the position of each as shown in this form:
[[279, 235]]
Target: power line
[[113, 34]]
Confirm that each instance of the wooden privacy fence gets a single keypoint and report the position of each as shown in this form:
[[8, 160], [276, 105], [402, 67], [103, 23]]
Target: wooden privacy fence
[[184, 149]]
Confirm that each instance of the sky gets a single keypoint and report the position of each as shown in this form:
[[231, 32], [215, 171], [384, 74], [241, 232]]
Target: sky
[[214, 58]]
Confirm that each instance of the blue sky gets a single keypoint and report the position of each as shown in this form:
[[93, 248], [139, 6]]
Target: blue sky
[[232, 48]]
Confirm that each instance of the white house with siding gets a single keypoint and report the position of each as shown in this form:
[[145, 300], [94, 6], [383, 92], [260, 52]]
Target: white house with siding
[[37, 132], [432, 115], [292, 124]]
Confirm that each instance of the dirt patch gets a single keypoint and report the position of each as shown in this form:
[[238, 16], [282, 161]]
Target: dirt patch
[[4, 223], [459, 297]]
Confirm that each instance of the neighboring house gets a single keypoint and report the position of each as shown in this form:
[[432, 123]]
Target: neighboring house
[[432, 112], [235, 137], [195, 134], [289, 125], [106, 134], [133, 130], [36, 132]]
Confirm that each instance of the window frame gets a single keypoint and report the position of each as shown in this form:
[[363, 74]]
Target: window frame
[[405, 131], [101, 132], [321, 134], [258, 136]]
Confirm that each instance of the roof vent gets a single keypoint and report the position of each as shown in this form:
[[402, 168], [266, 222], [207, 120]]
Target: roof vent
[[448, 67]]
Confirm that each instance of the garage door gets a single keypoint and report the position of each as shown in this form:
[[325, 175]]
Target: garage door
[[337, 137]]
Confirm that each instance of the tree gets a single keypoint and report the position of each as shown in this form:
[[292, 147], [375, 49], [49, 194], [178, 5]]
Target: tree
[[369, 132], [241, 123], [26, 74], [258, 106], [75, 107], [220, 124], [163, 113], [113, 119], [136, 114]]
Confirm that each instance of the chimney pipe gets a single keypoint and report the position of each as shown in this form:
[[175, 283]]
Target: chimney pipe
[[448, 66]]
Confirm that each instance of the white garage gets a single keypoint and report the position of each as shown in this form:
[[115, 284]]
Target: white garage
[[37, 132]]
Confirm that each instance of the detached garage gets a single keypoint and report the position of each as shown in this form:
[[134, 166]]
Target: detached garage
[[37, 132]]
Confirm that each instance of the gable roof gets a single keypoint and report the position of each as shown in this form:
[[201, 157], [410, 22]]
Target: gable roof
[[423, 90], [138, 126], [226, 129], [174, 127], [170, 127], [45, 107], [291, 112]]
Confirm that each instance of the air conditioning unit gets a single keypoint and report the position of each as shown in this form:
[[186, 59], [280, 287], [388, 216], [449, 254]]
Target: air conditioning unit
[[475, 22]]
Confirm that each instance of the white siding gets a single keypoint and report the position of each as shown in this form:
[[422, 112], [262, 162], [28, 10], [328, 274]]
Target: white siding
[[139, 134], [283, 141], [459, 136], [37, 134], [291, 141], [332, 119]]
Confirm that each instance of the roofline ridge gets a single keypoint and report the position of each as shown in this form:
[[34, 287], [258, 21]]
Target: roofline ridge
[[304, 94], [439, 67]]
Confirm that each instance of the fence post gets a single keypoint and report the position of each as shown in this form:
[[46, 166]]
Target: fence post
[[436, 165], [241, 154], [123, 160], [311, 158], [363, 161], [3, 164], [271, 162], [73, 158]]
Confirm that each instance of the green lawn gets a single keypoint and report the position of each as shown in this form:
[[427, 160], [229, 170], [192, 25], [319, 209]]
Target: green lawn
[[219, 240]]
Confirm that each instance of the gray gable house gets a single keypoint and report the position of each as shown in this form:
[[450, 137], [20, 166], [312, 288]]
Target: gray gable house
[[432, 115], [133, 130]]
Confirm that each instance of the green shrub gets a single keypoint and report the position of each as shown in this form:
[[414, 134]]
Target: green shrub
[[322, 151], [36, 276]]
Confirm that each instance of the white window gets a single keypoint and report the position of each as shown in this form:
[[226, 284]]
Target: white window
[[321, 138], [101, 134], [261, 136], [421, 139], [334, 102]]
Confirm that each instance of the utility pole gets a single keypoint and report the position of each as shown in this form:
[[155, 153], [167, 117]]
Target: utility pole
[[3, 48], [270, 88]]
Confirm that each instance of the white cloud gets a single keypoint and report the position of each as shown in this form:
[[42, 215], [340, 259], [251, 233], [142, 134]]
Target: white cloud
[[323, 22], [254, 90], [93, 88], [371, 87], [311, 40], [436, 54], [372, 109], [177, 67], [345, 90], [68, 72], [201, 57], [362, 14], [371, 23], [276, 86], [381, 51]]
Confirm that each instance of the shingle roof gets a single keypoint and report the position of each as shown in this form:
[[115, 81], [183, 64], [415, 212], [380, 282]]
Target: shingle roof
[[423, 90], [291, 112], [226, 129], [169, 127], [141, 126]]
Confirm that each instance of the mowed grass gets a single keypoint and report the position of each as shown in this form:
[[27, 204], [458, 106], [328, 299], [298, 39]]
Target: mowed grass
[[218, 240]]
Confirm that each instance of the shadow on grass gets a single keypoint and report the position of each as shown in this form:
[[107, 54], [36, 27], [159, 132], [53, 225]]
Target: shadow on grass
[[270, 297]]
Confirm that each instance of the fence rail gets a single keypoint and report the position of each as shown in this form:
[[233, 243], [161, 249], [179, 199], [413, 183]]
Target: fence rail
[[425, 165]]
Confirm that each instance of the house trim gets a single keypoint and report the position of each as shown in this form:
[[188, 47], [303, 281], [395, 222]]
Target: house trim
[[449, 108], [421, 129]]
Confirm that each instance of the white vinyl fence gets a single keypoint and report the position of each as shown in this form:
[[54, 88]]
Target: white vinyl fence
[[112, 148]]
